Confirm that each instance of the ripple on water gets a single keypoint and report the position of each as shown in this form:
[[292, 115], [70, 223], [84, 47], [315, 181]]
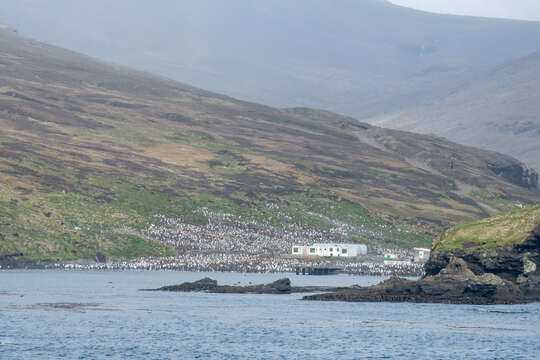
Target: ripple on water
[[78, 315]]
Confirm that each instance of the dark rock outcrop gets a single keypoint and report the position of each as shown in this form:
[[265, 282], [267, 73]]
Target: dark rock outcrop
[[455, 284], [516, 174], [500, 275], [100, 258], [282, 286], [205, 284], [17, 261], [509, 262]]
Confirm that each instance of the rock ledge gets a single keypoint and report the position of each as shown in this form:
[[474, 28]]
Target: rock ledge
[[504, 275]]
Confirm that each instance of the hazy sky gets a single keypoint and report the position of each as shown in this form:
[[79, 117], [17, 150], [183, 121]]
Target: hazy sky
[[512, 9]]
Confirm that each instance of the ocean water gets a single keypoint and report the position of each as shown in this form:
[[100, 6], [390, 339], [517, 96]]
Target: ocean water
[[102, 315]]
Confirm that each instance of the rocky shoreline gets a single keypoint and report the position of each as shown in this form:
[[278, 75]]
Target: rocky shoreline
[[455, 284], [13, 263], [500, 275], [205, 263]]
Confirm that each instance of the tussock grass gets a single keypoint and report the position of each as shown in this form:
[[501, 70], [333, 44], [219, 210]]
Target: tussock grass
[[504, 229]]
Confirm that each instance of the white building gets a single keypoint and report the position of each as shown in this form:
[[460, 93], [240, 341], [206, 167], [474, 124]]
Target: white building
[[300, 250], [421, 254], [331, 249]]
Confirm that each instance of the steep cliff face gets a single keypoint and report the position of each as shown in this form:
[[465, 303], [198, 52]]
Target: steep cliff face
[[512, 263], [517, 263], [516, 174], [507, 245]]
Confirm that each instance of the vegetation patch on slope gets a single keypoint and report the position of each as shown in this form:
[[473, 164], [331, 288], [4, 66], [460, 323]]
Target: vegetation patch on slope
[[65, 226], [504, 229]]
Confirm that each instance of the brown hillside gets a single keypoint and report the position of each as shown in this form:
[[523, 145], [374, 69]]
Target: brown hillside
[[81, 137]]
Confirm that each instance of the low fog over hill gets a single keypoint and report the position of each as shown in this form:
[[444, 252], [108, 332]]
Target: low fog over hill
[[500, 112], [354, 57]]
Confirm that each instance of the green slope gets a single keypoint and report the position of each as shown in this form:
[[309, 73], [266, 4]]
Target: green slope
[[510, 228], [90, 152]]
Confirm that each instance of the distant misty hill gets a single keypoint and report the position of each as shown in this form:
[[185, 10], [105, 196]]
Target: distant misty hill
[[500, 112], [362, 58]]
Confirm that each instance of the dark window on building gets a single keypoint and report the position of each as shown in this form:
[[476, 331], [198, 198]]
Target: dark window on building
[[343, 251], [295, 250], [312, 251]]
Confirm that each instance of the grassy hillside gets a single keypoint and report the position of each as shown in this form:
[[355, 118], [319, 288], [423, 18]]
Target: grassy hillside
[[90, 153], [504, 229]]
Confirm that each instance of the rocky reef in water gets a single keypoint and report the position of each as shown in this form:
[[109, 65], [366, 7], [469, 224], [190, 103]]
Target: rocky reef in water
[[486, 275], [282, 286]]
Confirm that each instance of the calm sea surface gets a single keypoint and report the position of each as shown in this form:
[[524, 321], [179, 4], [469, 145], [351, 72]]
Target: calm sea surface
[[101, 315]]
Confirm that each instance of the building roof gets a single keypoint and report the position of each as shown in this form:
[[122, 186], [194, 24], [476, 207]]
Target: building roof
[[336, 245]]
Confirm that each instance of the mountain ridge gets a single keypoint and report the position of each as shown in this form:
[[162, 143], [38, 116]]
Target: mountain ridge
[[498, 112]]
